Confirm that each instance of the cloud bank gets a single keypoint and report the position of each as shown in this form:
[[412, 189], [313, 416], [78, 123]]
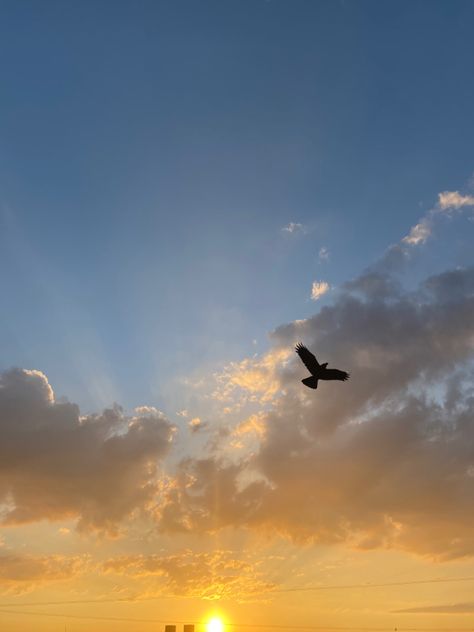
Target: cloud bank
[[383, 461], [386, 460]]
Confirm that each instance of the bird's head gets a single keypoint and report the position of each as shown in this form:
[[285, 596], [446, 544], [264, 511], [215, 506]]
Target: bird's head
[[324, 365]]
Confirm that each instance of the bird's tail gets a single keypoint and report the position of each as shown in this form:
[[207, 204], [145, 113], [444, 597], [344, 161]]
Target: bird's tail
[[311, 382]]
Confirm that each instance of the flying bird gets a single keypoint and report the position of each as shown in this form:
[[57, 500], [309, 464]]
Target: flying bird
[[318, 371]]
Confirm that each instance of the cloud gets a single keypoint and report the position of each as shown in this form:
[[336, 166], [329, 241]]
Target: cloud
[[323, 254], [419, 233], [454, 200], [23, 573], [195, 424], [294, 228], [64, 531], [318, 289], [448, 201], [56, 464], [216, 575], [252, 379], [252, 425], [385, 460], [374, 286]]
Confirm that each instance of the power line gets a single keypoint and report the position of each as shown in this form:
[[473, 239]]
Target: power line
[[89, 617], [242, 625], [433, 580], [72, 602], [437, 580]]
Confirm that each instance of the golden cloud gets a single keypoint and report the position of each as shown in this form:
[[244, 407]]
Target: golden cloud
[[210, 575]]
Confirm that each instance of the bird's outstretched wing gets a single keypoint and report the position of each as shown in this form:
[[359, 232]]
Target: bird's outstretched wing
[[309, 360], [335, 374]]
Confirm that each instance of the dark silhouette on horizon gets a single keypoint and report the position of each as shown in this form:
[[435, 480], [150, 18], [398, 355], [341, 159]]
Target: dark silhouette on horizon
[[318, 371]]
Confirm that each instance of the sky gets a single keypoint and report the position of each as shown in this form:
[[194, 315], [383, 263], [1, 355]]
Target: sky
[[187, 190]]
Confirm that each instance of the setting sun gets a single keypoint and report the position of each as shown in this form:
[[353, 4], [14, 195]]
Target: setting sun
[[215, 625]]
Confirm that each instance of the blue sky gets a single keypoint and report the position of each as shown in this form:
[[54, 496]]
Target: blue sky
[[152, 152]]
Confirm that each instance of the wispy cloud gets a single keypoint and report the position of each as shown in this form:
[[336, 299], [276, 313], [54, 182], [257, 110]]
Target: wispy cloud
[[318, 289], [419, 233], [323, 254], [20, 573], [294, 228]]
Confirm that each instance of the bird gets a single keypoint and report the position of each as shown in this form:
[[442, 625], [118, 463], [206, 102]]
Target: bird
[[318, 371]]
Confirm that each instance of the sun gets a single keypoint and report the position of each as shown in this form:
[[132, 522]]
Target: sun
[[215, 625]]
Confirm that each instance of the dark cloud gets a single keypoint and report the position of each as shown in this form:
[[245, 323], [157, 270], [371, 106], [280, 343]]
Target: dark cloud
[[55, 464], [385, 460], [374, 285], [452, 285]]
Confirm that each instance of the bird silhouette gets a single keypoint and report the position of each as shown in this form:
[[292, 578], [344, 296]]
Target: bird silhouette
[[318, 371]]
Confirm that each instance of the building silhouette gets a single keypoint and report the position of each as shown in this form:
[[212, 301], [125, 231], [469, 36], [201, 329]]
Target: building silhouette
[[186, 628]]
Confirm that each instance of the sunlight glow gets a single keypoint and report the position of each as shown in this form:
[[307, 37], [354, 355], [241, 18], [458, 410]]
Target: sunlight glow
[[215, 625]]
